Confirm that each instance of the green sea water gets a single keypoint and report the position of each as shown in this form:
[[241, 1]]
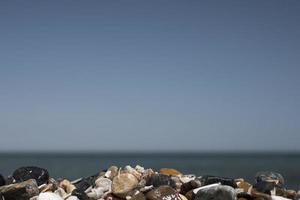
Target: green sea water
[[75, 165]]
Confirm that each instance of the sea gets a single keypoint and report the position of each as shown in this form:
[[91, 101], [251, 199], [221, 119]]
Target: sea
[[235, 165]]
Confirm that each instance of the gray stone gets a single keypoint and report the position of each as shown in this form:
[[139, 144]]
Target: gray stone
[[20, 191], [216, 192]]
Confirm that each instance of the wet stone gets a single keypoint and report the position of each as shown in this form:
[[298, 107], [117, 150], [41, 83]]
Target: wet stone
[[217, 192], [163, 193], [25, 173], [160, 179]]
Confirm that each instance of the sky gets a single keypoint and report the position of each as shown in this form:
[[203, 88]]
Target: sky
[[149, 75]]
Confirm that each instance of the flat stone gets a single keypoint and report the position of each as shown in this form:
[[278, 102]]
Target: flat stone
[[268, 176], [20, 191], [186, 187], [207, 180], [163, 193], [170, 171], [80, 194], [25, 173], [123, 183], [84, 183], [49, 196], [138, 196], [160, 179], [67, 186], [217, 192]]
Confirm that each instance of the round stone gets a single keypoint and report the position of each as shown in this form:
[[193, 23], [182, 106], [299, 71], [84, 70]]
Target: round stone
[[123, 183], [217, 192], [163, 193], [25, 173]]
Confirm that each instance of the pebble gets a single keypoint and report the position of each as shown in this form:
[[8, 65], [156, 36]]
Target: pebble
[[160, 179], [216, 192], [20, 191], [25, 173], [123, 183], [207, 180], [170, 171], [138, 183], [49, 196], [163, 193]]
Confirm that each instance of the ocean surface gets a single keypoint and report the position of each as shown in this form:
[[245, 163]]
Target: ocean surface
[[73, 166]]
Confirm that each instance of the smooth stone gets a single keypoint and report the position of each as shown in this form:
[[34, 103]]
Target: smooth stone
[[187, 178], [112, 197], [185, 187], [245, 196], [72, 198], [25, 173], [20, 191], [84, 183], [67, 186], [130, 170], [217, 192], [170, 171], [182, 197], [138, 196], [279, 198], [123, 183], [103, 183], [267, 176], [160, 179], [163, 193], [244, 185], [297, 196], [111, 172], [80, 194], [49, 196], [207, 180], [260, 195], [2, 180], [264, 187]]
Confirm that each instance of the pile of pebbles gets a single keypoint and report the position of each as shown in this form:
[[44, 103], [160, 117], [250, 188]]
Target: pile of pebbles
[[138, 183]]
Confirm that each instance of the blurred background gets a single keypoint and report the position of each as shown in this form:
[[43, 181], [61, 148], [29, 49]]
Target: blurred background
[[207, 87]]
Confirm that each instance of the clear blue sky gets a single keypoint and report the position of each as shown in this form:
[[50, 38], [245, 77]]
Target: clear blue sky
[[149, 75]]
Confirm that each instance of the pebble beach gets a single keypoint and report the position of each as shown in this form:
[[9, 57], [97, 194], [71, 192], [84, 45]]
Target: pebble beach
[[139, 183]]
